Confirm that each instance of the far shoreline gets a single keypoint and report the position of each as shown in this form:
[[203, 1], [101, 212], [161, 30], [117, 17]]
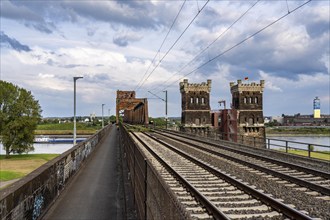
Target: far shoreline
[[295, 135]]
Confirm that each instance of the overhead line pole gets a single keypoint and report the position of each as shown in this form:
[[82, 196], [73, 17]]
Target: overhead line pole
[[164, 100]]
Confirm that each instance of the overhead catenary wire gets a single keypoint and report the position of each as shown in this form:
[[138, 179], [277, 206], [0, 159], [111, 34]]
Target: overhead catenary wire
[[207, 47], [158, 51], [239, 43], [173, 45]]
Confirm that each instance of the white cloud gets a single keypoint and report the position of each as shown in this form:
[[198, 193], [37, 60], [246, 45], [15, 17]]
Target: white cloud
[[82, 38]]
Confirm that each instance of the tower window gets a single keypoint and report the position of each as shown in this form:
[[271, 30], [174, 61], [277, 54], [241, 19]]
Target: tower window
[[250, 100], [245, 100], [191, 100], [197, 100], [203, 101], [256, 100]]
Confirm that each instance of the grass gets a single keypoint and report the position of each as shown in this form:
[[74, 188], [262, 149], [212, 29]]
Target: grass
[[67, 126], [317, 155], [18, 166], [66, 129], [6, 175], [299, 130]]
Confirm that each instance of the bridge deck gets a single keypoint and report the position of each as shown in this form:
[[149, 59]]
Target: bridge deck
[[98, 190]]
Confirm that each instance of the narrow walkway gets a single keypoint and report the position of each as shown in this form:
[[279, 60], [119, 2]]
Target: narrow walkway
[[97, 191]]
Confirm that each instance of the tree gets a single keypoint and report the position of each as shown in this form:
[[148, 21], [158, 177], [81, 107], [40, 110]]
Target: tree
[[19, 116]]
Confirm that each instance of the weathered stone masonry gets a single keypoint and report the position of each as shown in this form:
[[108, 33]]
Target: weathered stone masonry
[[195, 104], [247, 101]]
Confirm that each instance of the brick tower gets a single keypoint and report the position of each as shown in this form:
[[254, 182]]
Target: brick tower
[[247, 102], [195, 105]]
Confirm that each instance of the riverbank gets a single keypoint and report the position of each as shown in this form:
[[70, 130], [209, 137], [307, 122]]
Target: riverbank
[[298, 131], [295, 135], [17, 166]]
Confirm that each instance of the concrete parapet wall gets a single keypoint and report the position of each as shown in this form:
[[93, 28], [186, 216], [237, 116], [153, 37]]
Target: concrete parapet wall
[[152, 196], [30, 197]]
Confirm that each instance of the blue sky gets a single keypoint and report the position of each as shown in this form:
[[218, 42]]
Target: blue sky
[[116, 45]]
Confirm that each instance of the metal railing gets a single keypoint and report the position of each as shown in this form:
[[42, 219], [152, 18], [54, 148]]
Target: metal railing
[[294, 147], [288, 146]]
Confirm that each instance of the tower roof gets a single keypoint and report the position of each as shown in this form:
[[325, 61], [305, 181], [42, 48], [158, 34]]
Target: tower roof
[[253, 87], [194, 87]]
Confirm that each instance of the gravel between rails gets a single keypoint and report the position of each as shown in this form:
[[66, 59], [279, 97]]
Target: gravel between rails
[[290, 158], [316, 208]]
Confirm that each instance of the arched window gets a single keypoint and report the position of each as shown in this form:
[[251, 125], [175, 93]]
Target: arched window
[[197, 100], [245, 100], [191, 100], [256, 100], [250, 100], [203, 101]]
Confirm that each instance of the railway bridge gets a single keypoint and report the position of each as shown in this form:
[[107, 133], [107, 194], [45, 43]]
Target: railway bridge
[[124, 173]]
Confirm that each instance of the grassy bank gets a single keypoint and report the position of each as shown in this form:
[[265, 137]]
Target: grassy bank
[[18, 166], [317, 155], [298, 131], [66, 129]]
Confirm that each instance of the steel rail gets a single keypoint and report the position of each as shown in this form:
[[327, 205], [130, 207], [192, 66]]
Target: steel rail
[[277, 205], [301, 182], [265, 158], [209, 206]]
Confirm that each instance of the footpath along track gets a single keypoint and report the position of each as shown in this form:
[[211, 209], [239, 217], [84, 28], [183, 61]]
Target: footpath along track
[[206, 191], [304, 188]]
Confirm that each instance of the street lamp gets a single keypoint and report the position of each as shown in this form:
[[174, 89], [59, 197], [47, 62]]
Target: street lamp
[[74, 108], [102, 116]]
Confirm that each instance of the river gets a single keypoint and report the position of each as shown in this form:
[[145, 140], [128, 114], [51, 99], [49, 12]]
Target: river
[[321, 140], [45, 148]]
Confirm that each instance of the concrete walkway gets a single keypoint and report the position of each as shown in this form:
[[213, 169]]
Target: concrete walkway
[[97, 191]]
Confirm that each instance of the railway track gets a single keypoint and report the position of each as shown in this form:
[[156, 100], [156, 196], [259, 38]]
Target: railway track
[[273, 154], [206, 191], [313, 182]]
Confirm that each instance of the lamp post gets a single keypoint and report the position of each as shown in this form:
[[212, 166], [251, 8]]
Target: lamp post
[[102, 116], [74, 108]]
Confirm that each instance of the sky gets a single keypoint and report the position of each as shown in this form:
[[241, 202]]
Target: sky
[[149, 46]]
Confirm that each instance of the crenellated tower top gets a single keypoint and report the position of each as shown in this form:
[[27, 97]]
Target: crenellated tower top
[[194, 87], [247, 87]]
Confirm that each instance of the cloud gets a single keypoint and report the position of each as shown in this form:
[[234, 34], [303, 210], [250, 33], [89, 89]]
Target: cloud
[[28, 13], [13, 43], [123, 39]]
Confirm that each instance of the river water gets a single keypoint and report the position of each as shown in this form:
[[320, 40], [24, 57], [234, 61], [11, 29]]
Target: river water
[[45, 148], [314, 140]]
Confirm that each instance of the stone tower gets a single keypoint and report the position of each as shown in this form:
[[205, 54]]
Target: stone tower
[[247, 101], [195, 104]]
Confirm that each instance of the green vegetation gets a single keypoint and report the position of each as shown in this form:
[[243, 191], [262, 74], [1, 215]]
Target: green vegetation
[[19, 116], [10, 175], [66, 128], [299, 130], [137, 128], [317, 155], [18, 166], [45, 157], [161, 123]]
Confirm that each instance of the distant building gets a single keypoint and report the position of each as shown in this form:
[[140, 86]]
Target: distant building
[[306, 120], [278, 119], [317, 107], [195, 105]]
